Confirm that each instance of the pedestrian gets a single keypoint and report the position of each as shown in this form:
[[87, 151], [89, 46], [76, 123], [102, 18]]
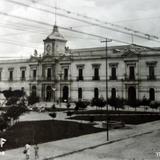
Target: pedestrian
[[27, 151], [36, 153]]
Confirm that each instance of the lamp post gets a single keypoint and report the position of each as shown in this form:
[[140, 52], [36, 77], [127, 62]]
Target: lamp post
[[107, 114], [60, 78], [54, 91]]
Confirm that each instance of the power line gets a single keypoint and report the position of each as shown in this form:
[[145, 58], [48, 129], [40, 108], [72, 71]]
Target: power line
[[97, 20], [64, 28], [47, 24], [143, 36], [137, 19], [32, 30]]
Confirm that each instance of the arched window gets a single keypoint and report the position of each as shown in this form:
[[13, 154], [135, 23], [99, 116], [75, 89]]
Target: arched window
[[48, 93], [65, 93], [113, 93], [34, 90], [96, 93], [79, 93], [152, 94]]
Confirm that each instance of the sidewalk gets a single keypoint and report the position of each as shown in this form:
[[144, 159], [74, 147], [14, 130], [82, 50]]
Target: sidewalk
[[65, 147]]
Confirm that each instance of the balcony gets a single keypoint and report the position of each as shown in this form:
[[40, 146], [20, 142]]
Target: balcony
[[23, 78], [65, 78], [151, 77], [32, 78], [96, 78], [113, 77], [10, 79], [80, 78]]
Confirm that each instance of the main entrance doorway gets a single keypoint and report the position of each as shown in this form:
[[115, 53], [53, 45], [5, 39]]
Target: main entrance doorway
[[65, 93], [48, 93], [131, 95]]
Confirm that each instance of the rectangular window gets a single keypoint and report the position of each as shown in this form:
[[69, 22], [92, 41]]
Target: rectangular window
[[113, 73], [151, 72], [79, 93], [11, 75], [34, 74], [66, 74], [23, 76], [80, 74], [49, 74], [96, 74], [131, 73]]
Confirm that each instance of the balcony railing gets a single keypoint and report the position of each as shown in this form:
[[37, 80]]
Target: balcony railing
[[10, 79], [151, 77], [80, 78], [95, 78], [113, 77], [65, 78], [23, 78]]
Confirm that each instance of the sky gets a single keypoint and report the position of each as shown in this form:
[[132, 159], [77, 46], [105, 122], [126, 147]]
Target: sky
[[19, 37]]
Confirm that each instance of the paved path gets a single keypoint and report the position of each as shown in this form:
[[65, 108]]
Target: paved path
[[66, 147]]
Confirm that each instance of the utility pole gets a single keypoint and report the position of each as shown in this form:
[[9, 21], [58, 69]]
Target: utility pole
[[107, 114]]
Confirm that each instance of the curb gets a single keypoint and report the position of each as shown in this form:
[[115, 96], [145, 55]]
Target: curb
[[98, 145]]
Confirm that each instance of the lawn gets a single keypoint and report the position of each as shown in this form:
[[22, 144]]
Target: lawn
[[113, 112], [44, 131], [126, 118]]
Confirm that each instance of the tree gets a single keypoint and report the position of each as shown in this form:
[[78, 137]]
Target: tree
[[81, 104], [135, 103], [14, 112], [154, 105], [145, 102], [98, 102], [32, 99]]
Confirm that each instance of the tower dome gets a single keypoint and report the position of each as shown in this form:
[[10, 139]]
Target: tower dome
[[55, 35]]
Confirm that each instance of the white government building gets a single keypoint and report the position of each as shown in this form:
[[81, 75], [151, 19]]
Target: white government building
[[133, 72]]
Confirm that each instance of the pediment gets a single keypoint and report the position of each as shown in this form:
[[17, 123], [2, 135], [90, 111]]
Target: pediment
[[129, 54], [33, 59]]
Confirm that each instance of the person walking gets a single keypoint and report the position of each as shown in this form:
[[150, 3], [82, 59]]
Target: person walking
[[27, 151], [36, 151]]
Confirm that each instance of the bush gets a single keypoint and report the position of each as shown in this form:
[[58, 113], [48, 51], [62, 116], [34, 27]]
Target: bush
[[154, 104], [12, 100], [14, 112], [81, 104], [136, 103], [116, 102], [69, 113], [32, 99], [53, 115], [99, 102]]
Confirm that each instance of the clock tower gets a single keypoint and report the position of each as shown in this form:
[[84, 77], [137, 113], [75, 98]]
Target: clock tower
[[54, 44]]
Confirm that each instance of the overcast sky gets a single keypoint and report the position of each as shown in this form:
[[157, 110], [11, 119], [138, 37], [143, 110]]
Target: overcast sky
[[19, 38]]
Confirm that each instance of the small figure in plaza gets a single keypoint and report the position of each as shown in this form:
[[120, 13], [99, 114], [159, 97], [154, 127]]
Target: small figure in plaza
[[27, 151], [36, 151]]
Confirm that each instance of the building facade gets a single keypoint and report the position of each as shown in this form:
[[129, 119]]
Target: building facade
[[133, 72]]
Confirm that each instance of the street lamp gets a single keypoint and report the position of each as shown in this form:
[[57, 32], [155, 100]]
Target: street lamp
[[54, 91], [60, 78]]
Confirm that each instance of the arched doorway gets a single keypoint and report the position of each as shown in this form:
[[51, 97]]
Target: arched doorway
[[96, 93], [131, 95], [79, 93], [34, 91], [113, 93], [152, 94], [48, 93], [65, 93]]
